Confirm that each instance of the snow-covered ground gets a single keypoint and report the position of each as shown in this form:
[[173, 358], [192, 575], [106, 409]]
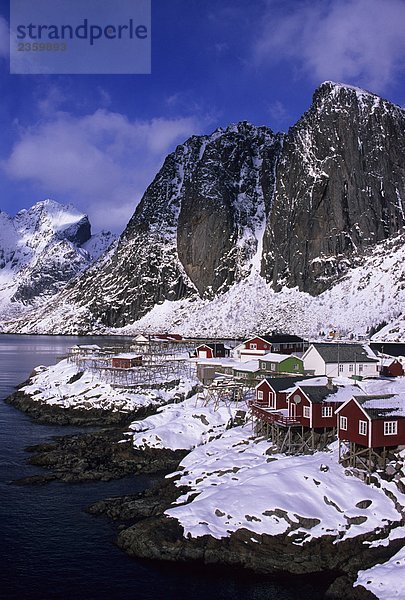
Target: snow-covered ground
[[63, 385], [184, 425], [235, 481], [366, 296], [238, 484], [386, 580]]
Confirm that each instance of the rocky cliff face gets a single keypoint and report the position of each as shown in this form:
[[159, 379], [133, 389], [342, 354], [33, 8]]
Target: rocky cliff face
[[300, 208], [340, 188], [198, 227], [43, 248]]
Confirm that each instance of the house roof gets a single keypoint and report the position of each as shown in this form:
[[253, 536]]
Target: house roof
[[282, 384], [251, 366], [212, 345], [127, 355], [278, 338], [378, 407], [266, 338], [387, 361], [345, 353], [318, 393], [277, 358]]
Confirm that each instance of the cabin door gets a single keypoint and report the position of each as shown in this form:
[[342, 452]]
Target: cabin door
[[293, 410]]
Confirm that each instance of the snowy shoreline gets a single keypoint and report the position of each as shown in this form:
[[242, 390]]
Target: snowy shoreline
[[238, 501]]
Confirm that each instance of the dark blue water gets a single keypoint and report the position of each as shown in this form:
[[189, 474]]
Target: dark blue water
[[51, 549]]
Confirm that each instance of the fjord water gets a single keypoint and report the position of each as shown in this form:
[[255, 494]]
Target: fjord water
[[51, 549]]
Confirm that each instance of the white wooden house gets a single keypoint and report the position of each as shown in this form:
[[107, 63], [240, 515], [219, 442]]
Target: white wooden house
[[341, 360]]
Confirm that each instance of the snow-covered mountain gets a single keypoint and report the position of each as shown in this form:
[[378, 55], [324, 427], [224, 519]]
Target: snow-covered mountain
[[41, 249], [247, 230]]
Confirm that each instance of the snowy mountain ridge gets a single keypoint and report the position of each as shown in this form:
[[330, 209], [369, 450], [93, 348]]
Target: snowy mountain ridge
[[249, 230], [41, 249]]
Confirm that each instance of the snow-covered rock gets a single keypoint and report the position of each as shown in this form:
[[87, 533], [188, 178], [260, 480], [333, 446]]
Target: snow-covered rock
[[41, 249], [235, 484]]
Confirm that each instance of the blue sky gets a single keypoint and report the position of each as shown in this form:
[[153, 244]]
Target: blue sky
[[97, 141]]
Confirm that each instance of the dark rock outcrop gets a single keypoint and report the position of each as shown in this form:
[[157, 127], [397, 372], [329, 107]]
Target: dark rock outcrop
[[340, 188], [57, 415], [195, 229], [97, 456]]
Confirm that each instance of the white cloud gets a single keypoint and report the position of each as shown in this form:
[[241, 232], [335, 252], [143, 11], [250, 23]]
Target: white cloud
[[278, 113], [4, 38], [354, 41], [101, 162]]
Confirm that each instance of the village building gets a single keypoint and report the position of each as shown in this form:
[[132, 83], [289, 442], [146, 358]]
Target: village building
[[373, 421], [367, 427], [272, 392], [212, 350], [253, 348], [287, 344], [304, 418], [341, 360], [126, 361], [391, 367], [278, 364], [86, 349], [249, 371], [209, 368], [314, 406]]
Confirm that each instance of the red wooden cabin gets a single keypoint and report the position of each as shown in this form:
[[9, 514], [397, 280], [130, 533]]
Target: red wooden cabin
[[271, 392], [391, 367], [313, 406], [372, 421], [126, 361], [211, 350]]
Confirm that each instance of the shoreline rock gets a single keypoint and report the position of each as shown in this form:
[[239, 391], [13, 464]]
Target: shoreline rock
[[97, 456], [47, 414], [146, 533]]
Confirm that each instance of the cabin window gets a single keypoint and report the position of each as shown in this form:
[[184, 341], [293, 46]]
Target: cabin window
[[307, 412], [272, 366], [350, 368], [363, 427], [253, 346], [295, 367], [360, 368], [265, 346], [343, 423], [340, 368], [390, 427], [260, 395], [326, 411]]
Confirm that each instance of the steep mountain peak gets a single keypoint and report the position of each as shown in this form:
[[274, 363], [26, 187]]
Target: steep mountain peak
[[334, 87], [336, 95], [43, 247], [340, 187], [57, 216]]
